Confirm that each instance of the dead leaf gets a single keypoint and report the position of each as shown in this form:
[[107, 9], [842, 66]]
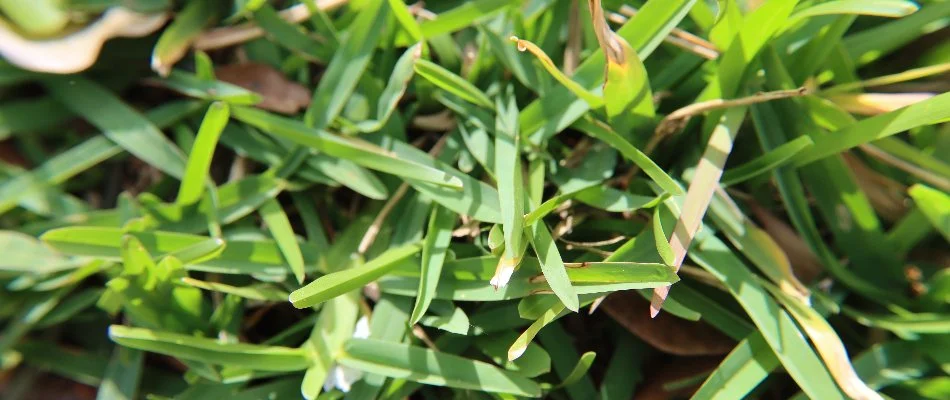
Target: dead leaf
[[666, 332], [277, 92], [77, 51], [805, 264]]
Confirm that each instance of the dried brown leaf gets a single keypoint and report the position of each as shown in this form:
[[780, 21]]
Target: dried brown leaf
[[277, 92]]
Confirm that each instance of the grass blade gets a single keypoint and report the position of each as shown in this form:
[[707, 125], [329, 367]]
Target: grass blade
[[187, 347], [119, 122], [767, 162], [347, 65], [199, 158], [122, 376], [434, 368], [279, 226], [450, 82], [355, 150], [935, 205], [434, 248]]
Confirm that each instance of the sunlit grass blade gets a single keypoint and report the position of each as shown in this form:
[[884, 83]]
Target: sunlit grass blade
[[199, 158], [337, 283], [600, 131], [434, 249], [580, 369], [741, 371], [700, 193], [627, 94], [464, 15], [348, 64], [552, 266], [450, 82], [434, 368], [878, 8], [766, 162], [123, 374], [509, 175], [644, 32], [935, 205], [477, 199], [775, 324], [279, 226], [118, 121], [394, 90], [290, 36], [212, 90], [593, 100], [263, 358], [828, 345], [355, 150], [257, 292]]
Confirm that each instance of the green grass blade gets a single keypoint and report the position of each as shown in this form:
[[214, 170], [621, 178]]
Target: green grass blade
[[878, 8], [347, 65], [744, 368], [434, 248], [434, 368], [766, 162], [450, 82], [199, 158], [394, 90], [279, 226], [509, 175], [255, 292], [935, 205], [928, 112], [580, 370], [776, 325], [341, 282], [210, 90], [119, 122], [602, 132], [355, 150], [290, 36], [464, 15], [122, 376], [187, 347], [662, 241], [828, 345], [477, 199], [552, 266], [545, 117]]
